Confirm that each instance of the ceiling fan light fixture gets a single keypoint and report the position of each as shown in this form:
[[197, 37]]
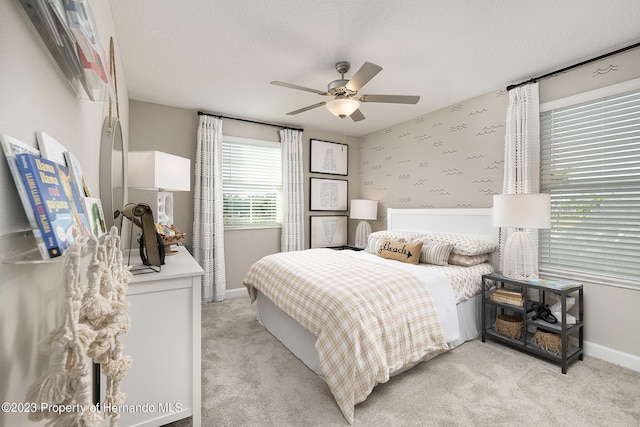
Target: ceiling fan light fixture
[[346, 101], [342, 107]]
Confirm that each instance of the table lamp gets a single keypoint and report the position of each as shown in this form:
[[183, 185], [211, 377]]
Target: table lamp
[[364, 210], [521, 211], [162, 173]]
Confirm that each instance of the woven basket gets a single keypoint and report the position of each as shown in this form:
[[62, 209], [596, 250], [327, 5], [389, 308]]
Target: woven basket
[[509, 326], [177, 237], [549, 341]]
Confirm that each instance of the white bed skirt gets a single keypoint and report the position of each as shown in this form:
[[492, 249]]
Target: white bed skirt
[[302, 342]]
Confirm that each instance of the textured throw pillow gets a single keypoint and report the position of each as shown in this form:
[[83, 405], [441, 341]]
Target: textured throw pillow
[[465, 244], [468, 260], [400, 251], [436, 253]]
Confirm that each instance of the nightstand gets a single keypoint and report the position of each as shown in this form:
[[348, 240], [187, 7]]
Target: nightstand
[[498, 300]]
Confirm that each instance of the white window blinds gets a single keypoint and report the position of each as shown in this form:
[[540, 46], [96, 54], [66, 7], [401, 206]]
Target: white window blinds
[[252, 182], [590, 164]]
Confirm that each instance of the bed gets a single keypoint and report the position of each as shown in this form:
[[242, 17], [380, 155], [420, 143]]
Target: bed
[[356, 318]]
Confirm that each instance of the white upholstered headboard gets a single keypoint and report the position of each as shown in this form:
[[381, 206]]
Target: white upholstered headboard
[[476, 221]]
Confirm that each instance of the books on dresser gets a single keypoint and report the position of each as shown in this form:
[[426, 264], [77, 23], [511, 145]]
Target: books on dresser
[[54, 202]]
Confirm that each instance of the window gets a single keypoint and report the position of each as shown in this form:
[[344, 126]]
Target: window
[[252, 182], [590, 165]]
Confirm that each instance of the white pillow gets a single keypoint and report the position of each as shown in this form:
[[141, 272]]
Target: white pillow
[[464, 244]]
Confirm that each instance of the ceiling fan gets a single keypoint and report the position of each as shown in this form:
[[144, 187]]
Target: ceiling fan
[[346, 101]]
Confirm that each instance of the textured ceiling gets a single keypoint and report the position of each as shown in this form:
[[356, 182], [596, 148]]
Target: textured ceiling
[[221, 55]]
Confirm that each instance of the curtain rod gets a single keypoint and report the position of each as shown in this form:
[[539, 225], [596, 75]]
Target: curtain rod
[[535, 79], [220, 116]]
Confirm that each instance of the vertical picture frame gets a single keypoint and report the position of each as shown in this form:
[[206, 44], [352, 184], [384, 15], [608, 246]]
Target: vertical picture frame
[[329, 157], [329, 231], [328, 194]]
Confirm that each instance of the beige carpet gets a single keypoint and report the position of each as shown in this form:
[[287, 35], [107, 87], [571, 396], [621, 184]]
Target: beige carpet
[[250, 379]]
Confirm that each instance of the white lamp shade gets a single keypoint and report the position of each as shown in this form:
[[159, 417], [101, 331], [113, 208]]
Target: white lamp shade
[[364, 209], [155, 170], [342, 107], [522, 210]]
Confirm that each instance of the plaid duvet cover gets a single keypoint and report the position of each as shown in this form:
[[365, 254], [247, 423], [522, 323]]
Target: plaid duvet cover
[[370, 319]]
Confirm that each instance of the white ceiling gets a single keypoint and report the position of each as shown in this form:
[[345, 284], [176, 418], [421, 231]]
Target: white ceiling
[[221, 55]]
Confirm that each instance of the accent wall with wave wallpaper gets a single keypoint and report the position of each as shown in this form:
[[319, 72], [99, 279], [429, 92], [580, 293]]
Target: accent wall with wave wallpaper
[[451, 158], [454, 157]]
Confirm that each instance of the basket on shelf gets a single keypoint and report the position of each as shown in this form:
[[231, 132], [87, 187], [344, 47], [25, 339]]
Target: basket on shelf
[[549, 341], [509, 326]]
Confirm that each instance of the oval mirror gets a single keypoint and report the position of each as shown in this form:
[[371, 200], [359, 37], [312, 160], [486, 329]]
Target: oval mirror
[[112, 173]]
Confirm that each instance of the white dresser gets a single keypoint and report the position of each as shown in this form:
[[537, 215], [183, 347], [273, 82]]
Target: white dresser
[[163, 383]]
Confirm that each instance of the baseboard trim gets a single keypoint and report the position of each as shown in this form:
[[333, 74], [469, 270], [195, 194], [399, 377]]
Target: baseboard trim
[[611, 355], [237, 293]]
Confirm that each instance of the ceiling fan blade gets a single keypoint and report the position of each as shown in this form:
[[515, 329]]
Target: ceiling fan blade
[[292, 86], [302, 110], [363, 75], [357, 115], [394, 99]]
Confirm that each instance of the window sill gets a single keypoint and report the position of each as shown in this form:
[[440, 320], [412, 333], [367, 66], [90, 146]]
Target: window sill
[[250, 227]]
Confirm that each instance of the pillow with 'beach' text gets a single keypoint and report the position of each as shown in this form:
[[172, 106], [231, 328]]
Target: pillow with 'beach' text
[[400, 251]]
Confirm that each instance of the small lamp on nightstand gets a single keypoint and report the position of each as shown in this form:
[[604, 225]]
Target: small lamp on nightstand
[[521, 211], [364, 210]]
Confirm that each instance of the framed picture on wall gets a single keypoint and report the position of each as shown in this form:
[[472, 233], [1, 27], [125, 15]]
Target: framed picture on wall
[[328, 194], [329, 231], [329, 157]]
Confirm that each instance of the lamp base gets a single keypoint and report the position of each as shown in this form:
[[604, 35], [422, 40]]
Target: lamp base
[[362, 234], [520, 257], [164, 204]]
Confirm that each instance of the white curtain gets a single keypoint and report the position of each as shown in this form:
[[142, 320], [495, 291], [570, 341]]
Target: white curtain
[[208, 225], [292, 238], [522, 149]]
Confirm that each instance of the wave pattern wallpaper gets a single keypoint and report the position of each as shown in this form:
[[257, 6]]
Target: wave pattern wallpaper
[[451, 158]]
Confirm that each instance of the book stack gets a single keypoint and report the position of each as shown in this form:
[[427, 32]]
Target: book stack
[[507, 297]]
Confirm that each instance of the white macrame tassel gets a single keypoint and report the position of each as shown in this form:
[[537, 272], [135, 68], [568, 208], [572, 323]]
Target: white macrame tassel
[[95, 307], [94, 318], [53, 386], [114, 364]]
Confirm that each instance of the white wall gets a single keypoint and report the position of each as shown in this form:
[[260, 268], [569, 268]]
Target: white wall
[[33, 97]]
